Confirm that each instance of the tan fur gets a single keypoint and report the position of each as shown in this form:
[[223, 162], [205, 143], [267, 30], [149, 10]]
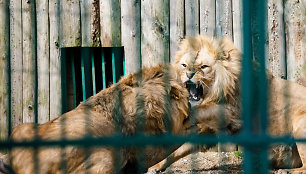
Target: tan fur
[[220, 82], [95, 117]]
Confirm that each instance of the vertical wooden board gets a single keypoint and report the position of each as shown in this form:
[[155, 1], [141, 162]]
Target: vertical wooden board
[[110, 15], [130, 23], [4, 60], [295, 38], [237, 23], [70, 27], [154, 32], [55, 62], [43, 60], [208, 18], [224, 20], [177, 27], [28, 61], [90, 23], [224, 28], [192, 18], [16, 61], [276, 41]]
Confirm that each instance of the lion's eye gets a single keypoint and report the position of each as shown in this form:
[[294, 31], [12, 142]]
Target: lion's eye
[[184, 65], [204, 66]]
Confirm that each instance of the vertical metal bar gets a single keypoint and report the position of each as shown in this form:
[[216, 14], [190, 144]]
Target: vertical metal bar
[[141, 101], [73, 80], [103, 69], [86, 68], [246, 82], [123, 54], [167, 115], [83, 78], [113, 66], [64, 80], [264, 167], [86, 72], [63, 83], [261, 20], [7, 2], [93, 73], [246, 72], [247, 160], [36, 159], [263, 90], [7, 12]]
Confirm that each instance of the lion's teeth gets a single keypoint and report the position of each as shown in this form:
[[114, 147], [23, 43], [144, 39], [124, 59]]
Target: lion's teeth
[[197, 85]]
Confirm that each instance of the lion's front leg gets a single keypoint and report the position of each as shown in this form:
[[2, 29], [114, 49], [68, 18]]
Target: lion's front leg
[[299, 132], [179, 153]]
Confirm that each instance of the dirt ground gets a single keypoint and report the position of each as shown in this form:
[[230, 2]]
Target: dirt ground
[[212, 163], [3, 157], [207, 163]]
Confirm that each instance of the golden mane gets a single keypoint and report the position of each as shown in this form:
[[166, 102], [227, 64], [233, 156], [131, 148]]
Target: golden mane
[[210, 70], [226, 66]]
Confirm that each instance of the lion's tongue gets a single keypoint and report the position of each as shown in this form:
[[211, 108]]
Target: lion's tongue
[[193, 92]]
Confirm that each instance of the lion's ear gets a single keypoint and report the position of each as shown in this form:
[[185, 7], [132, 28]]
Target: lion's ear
[[228, 49]]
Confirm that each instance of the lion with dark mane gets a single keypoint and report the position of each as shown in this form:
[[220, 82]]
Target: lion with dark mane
[[136, 104], [210, 69]]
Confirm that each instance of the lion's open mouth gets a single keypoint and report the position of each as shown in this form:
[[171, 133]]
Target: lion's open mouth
[[195, 91]]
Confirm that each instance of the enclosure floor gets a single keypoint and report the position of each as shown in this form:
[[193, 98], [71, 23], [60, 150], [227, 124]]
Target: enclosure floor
[[206, 163], [212, 163]]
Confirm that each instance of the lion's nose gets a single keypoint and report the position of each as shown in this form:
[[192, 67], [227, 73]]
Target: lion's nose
[[190, 74]]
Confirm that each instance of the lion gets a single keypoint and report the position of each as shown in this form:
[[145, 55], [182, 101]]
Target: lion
[[138, 103], [210, 69]]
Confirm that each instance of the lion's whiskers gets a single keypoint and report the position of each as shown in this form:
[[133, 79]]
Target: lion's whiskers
[[203, 83]]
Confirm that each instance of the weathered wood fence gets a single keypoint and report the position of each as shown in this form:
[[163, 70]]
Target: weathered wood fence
[[32, 31]]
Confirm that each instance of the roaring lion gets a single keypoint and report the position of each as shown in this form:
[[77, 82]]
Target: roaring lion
[[210, 69], [138, 103]]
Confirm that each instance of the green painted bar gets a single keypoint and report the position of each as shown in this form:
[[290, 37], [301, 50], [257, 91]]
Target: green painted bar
[[264, 163], [64, 80], [263, 87], [73, 81], [247, 160], [93, 74], [103, 69], [86, 54], [140, 140], [83, 78], [7, 11], [113, 66], [246, 72], [246, 82], [123, 63], [35, 158]]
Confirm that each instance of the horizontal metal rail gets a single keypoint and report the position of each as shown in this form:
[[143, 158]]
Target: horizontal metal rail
[[166, 140]]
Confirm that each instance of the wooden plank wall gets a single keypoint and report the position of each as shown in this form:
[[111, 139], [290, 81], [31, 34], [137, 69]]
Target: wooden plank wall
[[154, 32], [55, 62], [295, 38], [276, 48], [16, 59], [28, 61], [43, 61], [31, 36], [177, 22], [130, 32], [4, 68], [208, 18]]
